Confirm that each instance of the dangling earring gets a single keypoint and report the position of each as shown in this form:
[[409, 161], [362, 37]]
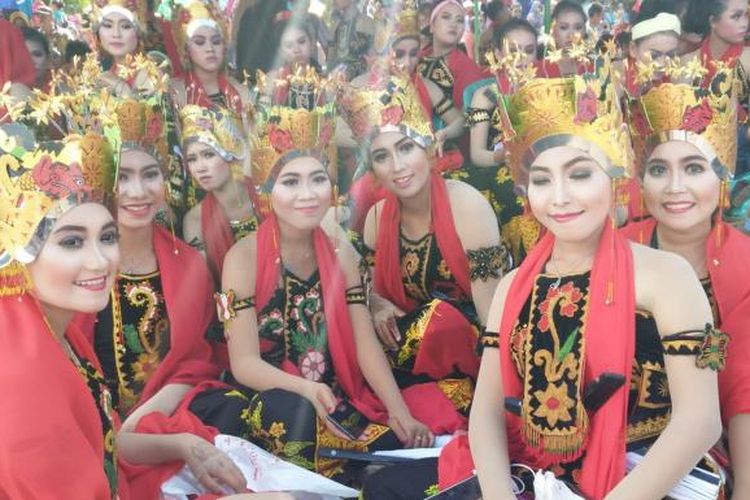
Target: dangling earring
[[169, 215]]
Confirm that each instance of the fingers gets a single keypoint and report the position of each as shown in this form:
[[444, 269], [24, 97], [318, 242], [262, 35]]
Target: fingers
[[383, 329], [232, 476], [209, 482], [327, 399], [335, 431], [402, 434]]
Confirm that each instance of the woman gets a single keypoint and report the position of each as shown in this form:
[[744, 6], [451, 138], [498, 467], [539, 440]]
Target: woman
[[568, 315], [488, 171], [568, 29], [684, 173], [38, 47], [214, 148], [301, 343], [428, 314], [58, 256]]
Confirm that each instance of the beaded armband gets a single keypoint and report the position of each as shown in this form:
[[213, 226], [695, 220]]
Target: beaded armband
[[227, 305], [708, 345], [475, 116], [489, 262], [443, 106], [489, 339], [356, 295]]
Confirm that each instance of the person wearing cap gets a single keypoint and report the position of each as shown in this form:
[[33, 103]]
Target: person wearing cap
[[685, 165]]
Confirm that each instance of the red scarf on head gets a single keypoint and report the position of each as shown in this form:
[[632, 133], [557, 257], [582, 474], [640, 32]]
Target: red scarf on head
[[51, 442], [388, 280], [610, 347], [726, 260], [197, 95], [339, 325], [217, 232]]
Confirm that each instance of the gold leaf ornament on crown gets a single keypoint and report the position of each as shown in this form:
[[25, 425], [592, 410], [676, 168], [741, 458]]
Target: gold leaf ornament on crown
[[217, 128]]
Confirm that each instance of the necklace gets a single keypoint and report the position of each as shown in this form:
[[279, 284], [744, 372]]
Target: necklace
[[560, 275]]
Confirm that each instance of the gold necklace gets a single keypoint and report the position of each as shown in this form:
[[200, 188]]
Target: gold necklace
[[560, 275]]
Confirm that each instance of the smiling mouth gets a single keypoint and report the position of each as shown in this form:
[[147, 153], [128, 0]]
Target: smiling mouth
[[403, 181], [309, 210], [94, 284], [566, 217], [137, 210], [678, 207]]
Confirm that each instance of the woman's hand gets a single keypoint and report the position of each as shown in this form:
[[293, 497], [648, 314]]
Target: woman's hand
[[212, 467], [322, 398], [410, 431], [384, 316]]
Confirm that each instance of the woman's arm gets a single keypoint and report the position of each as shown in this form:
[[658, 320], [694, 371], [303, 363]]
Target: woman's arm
[[165, 401], [478, 133], [487, 437], [191, 229], [667, 286], [452, 116], [739, 450]]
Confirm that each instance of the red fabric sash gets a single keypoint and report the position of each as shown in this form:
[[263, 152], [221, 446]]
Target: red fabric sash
[[465, 72], [731, 56], [51, 442], [388, 281], [197, 95], [610, 346], [726, 260], [340, 335]]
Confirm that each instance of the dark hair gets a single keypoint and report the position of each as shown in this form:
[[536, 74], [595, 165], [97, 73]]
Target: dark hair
[[501, 32], [32, 35], [568, 6], [76, 48], [600, 44], [493, 9], [650, 8], [595, 9], [699, 13]]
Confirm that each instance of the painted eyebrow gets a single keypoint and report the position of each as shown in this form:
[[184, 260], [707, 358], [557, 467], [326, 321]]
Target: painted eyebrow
[[82, 229], [397, 144], [683, 160], [567, 164], [130, 170], [295, 174]]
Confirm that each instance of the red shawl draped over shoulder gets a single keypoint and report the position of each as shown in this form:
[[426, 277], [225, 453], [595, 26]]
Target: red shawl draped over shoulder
[[610, 347], [727, 251], [197, 95], [51, 442], [339, 325], [730, 57], [188, 294]]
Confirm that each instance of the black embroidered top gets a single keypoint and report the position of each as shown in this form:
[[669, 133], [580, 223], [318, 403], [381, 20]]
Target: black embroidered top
[[479, 115], [436, 69], [240, 229], [132, 336]]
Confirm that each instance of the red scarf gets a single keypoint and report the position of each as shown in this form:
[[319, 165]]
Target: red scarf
[[731, 57], [388, 281], [217, 232], [610, 347], [197, 95], [339, 325], [726, 260], [51, 442], [465, 72]]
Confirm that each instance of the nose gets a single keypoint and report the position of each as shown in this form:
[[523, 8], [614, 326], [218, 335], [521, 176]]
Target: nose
[[116, 31], [675, 182], [133, 189], [98, 260], [561, 195], [398, 163], [306, 191]]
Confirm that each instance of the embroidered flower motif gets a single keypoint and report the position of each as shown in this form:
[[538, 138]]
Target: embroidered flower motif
[[555, 404], [313, 365], [277, 429], [57, 180], [281, 140], [565, 297], [410, 264], [391, 115], [697, 118], [145, 366], [586, 106]]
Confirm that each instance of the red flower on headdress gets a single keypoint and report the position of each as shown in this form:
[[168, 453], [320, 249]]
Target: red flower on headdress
[[58, 180], [281, 140], [154, 127], [697, 118], [391, 115], [639, 122], [586, 106]]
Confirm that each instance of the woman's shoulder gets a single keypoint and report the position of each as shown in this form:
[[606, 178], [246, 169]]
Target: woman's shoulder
[[657, 272], [481, 98], [465, 198]]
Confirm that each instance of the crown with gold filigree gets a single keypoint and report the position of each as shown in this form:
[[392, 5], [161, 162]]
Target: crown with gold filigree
[[303, 125], [218, 128], [136, 11], [37, 186], [194, 14], [688, 108], [141, 126], [394, 22], [391, 104], [581, 111]]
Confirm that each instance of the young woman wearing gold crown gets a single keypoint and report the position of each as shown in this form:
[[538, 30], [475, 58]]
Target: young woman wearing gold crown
[[58, 257], [587, 306], [301, 343], [214, 151], [397, 44], [433, 273], [686, 161]]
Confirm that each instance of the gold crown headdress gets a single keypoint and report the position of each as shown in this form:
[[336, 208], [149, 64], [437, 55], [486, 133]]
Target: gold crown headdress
[[136, 11], [304, 125], [218, 128], [703, 113], [39, 185], [581, 111], [141, 126], [394, 22], [391, 105], [194, 14]]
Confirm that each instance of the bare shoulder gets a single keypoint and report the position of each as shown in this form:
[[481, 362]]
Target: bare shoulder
[[467, 203], [498, 301], [480, 99], [191, 223], [239, 266], [659, 274], [348, 259], [371, 224]]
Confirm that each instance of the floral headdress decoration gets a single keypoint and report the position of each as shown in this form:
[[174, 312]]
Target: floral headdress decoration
[[391, 104], [135, 11], [582, 111], [688, 106], [304, 125], [192, 15], [38, 184], [217, 128]]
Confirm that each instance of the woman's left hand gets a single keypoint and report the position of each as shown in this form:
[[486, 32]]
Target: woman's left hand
[[410, 431]]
